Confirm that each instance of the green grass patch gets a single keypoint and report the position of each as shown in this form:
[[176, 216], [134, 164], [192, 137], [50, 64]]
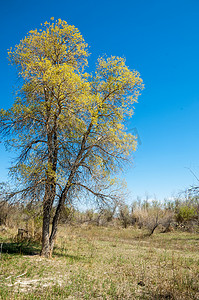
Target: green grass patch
[[105, 263]]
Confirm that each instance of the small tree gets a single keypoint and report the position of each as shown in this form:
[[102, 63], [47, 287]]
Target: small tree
[[67, 125], [106, 214], [124, 215]]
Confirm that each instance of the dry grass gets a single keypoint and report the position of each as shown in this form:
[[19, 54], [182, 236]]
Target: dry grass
[[106, 263]]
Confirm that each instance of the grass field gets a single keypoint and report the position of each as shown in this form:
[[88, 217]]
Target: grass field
[[103, 263]]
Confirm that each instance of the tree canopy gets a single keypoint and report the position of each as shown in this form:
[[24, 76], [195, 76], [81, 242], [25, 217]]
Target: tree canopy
[[67, 125]]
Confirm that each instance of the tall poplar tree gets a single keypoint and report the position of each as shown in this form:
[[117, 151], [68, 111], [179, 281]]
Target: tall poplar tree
[[67, 125]]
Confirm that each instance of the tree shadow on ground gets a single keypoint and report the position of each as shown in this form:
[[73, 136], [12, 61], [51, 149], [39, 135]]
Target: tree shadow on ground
[[26, 248]]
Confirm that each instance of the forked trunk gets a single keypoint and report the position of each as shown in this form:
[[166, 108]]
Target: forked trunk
[[48, 240]]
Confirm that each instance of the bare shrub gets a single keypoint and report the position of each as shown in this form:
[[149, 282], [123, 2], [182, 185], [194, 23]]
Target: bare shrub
[[154, 216], [4, 210]]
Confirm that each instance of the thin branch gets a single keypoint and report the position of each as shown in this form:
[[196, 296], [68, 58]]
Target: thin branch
[[192, 173]]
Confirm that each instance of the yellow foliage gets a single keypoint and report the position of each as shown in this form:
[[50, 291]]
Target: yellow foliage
[[60, 102]]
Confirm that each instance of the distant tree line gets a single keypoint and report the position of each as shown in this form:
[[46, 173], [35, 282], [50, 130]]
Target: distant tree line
[[181, 213]]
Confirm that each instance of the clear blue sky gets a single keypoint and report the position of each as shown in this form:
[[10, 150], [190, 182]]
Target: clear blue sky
[[160, 39]]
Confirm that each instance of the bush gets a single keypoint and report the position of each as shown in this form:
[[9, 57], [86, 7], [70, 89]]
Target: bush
[[124, 215], [185, 213]]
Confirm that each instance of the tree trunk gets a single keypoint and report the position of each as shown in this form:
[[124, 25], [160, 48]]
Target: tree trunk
[[45, 231], [47, 207], [45, 240], [48, 242], [153, 229]]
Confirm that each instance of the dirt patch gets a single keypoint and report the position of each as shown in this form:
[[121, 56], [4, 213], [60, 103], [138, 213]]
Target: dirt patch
[[26, 285]]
